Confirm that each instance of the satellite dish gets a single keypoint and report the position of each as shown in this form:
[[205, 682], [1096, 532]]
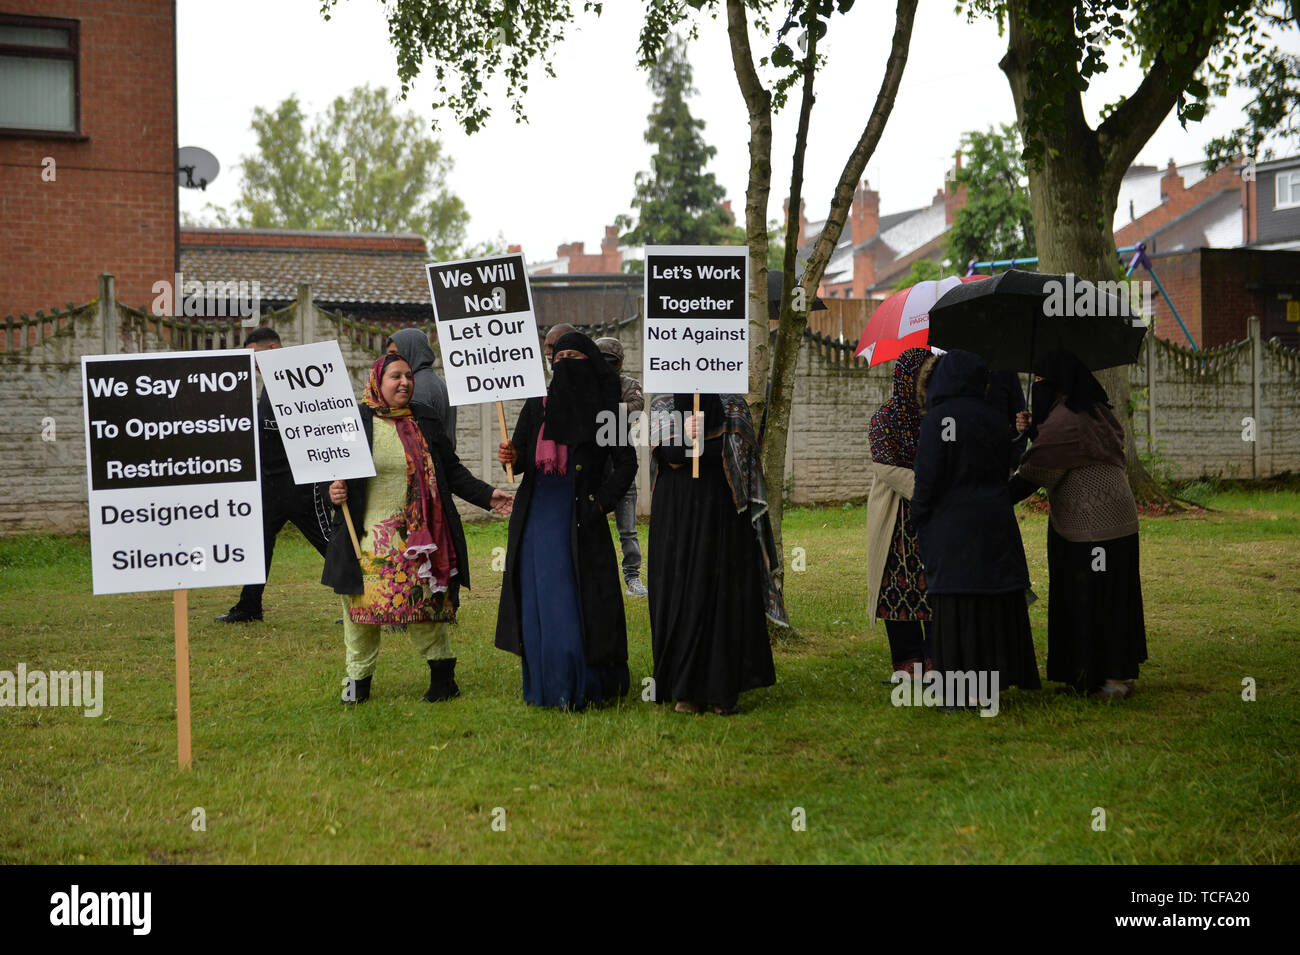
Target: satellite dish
[[195, 167]]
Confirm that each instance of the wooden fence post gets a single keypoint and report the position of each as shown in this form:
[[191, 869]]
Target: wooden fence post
[[108, 314], [1256, 368], [304, 315], [1151, 392]]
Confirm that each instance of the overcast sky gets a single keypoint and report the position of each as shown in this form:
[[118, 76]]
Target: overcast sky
[[569, 171]]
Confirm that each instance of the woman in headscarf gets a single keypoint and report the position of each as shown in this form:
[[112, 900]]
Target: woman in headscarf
[[975, 570], [895, 574], [413, 557], [1096, 634], [711, 556], [561, 597]]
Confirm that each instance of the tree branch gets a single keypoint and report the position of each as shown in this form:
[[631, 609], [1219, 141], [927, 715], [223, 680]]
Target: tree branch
[[758, 101], [842, 198], [1121, 136]]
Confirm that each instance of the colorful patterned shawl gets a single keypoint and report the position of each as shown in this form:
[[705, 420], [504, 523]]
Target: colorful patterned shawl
[[897, 424], [427, 536]]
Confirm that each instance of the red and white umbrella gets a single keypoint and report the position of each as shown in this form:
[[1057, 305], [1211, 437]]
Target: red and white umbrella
[[902, 321]]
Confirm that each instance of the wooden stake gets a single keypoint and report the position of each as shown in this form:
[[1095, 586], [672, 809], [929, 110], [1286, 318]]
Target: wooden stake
[[352, 531], [181, 621], [501, 420], [699, 441]]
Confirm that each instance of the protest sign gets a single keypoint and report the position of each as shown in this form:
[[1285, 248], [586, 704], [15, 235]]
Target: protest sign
[[696, 319], [315, 409], [486, 329], [487, 332], [172, 469]]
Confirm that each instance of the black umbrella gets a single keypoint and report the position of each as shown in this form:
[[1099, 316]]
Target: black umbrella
[[1015, 318], [774, 282]]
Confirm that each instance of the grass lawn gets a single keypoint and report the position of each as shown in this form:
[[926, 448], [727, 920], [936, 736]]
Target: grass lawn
[[1186, 771]]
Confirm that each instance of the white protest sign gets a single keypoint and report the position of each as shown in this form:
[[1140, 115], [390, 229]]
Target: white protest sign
[[486, 329], [311, 396], [172, 464], [696, 319]]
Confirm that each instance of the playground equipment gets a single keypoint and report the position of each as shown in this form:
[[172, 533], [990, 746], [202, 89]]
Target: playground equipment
[[1139, 258]]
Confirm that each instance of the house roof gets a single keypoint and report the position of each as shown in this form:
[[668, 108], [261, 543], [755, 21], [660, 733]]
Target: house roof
[[342, 267], [1233, 218], [1141, 187]]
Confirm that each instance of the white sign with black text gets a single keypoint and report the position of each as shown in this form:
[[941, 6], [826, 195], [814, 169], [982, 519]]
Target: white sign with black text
[[487, 329], [311, 395], [696, 319], [172, 464]]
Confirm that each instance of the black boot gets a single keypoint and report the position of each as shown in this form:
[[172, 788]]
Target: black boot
[[355, 691], [442, 682]]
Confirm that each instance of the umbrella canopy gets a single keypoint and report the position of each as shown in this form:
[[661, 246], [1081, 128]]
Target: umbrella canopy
[[774, 281], [902, 321], [1017, 317]]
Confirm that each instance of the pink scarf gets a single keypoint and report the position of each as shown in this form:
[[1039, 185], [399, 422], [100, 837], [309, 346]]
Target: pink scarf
[[551, 458]]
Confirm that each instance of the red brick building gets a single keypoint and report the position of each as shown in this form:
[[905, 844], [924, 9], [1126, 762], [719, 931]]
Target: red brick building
[[573, 259], [1224, 245], [87, 149], [875, 251]]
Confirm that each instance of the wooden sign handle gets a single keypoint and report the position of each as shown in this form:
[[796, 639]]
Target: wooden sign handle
[[699, 441], [181, 622], [352, 530], [501, 420]]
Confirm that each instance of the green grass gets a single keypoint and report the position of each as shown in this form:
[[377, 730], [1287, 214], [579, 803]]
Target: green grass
[[1186, 771]]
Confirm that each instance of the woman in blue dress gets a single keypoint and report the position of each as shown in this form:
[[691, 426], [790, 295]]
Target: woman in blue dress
[[561, 605]]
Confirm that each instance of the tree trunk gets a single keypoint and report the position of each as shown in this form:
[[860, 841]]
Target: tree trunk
[[785, 358], [1073, 192], [758, 102]]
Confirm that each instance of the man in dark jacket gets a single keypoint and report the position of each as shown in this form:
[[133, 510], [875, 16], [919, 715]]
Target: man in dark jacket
[[633, 399], [283, 502]]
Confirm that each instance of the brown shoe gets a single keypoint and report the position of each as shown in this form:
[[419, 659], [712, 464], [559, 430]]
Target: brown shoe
[[685, 707]]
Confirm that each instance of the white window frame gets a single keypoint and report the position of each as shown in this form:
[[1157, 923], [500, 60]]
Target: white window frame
[[1292, 179]]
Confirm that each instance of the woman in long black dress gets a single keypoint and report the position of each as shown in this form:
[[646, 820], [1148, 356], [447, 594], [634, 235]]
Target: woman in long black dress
[[561, 605], [1096, 633], [711, 555], [975, 570]]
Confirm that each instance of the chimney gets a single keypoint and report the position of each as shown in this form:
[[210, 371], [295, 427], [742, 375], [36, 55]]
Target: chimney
[[514, 248], [954, 192], [864, 216], [1171, 184], [611, 257]]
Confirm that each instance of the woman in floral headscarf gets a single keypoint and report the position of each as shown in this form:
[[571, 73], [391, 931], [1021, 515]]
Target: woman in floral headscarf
[[895, 575], [413, 559]]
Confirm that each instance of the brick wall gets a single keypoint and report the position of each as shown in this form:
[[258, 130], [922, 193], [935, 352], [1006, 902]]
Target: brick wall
[[112, 205]]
